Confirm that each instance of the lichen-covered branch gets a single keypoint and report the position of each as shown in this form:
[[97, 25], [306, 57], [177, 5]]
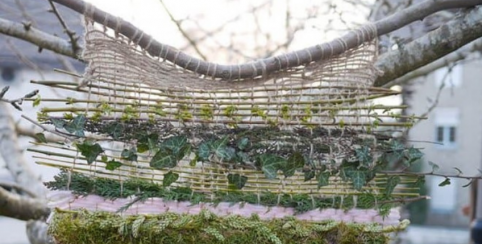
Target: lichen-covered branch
[[432, 46], [265, 66], [456, 56]]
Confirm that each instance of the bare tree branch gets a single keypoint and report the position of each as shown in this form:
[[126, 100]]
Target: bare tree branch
[[432, 46], [19, 207], [37, 37], [269, 65]]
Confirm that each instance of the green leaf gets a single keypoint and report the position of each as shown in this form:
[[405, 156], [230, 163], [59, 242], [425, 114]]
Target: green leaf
[[204, 151], [89, 151], [115, 130], [142, 147], [446, 182], [363, 154], [58, 123], [169, 178], [174, 143], [270, 164], [392, 182], [104, 158], [243, 143], [163, 159], [36, 102], [294, 162], [40, 137], [225, 153], [358, 177], [309, 175], [434, 166], [323, 179], [76, 126], [129, 154], [413, 154], [112, 165], [242, 157], [237, 181]]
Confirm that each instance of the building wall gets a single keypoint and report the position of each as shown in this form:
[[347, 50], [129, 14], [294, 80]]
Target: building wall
[[465, 154]]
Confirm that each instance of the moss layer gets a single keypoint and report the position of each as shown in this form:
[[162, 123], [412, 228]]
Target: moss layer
[[84, 227]]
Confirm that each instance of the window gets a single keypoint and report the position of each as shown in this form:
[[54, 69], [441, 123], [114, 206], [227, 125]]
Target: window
[[446, 121], [452, 77], [446, 135]]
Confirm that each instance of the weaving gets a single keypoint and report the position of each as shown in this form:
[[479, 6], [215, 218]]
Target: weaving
[[157, 148]]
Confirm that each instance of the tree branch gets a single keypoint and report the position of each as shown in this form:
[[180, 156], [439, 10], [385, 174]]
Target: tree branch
[[269, 65], [41, 39], [453, 57], [37, 232], [19, 207], [432, 46], [13, 156]]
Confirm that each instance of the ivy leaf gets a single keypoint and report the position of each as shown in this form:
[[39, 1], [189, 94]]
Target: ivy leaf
[[40, 137], [115, 130], [413, 154], [112, 165], [242, 157], [294, 162], [177, 145], [270, 164], [358, 177], [420, 182], [129, 155], [76, 126], [204, 151], [163, 159], [104, 158], [169, 178], [58, 123], [434, 166], [446, 182], [89, 151], [363, 154], [392, 182], [323, 179], [225, 153], [309, 175], [243, 143], [237, 181]]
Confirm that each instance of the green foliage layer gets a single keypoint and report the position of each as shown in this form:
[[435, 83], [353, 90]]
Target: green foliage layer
[[111, 189], [83, 227]]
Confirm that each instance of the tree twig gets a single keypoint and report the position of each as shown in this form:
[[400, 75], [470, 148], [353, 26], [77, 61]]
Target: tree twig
[[71, 34], [184, 33], [18, 101]]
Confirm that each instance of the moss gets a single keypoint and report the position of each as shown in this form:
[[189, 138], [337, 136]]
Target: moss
[[81, 227]]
